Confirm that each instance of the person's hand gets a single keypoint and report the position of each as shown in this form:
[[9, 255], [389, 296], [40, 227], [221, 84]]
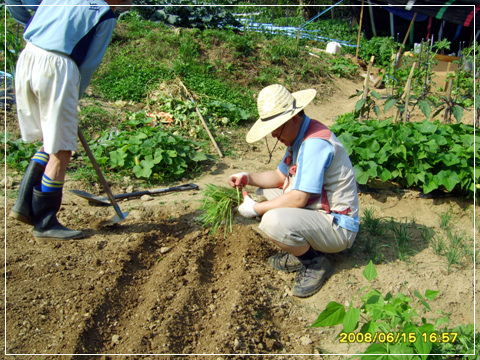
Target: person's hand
[[239, 180], [246, 209]]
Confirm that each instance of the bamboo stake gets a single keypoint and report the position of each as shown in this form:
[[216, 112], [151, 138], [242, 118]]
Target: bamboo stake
[[409, 29], [408, 87], [448, 70], [359, 32], [202, 119], [449, 96], [400, 52], [367, 78]]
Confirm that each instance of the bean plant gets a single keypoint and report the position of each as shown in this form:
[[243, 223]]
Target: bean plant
[[428, 155], [396, 324]]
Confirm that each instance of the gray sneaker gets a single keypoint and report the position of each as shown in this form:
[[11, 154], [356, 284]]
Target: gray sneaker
[[285, 262], [309, 280]]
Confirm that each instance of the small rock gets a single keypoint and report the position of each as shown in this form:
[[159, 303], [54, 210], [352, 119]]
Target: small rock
[[236, 344], [164, 249], [146, 198], [116, 339], [305, 340], [269, 343], [8, 182]]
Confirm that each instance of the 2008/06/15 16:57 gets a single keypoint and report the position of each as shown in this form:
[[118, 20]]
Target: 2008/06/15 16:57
[[391, 337]]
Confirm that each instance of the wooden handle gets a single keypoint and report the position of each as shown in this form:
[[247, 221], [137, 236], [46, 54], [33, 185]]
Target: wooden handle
[[99, 173]]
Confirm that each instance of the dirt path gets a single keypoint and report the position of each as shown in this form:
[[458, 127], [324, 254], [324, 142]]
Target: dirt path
[[158, 283]]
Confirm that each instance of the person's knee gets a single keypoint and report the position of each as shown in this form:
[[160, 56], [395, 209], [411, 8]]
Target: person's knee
[[62, 157], [275, 225], [271, 219]]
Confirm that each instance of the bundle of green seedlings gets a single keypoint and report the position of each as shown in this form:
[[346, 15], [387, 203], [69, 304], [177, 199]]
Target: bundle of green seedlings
[[218, 207]]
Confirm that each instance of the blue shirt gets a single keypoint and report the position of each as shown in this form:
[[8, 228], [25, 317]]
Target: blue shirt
[[81, 29], [312, 157]]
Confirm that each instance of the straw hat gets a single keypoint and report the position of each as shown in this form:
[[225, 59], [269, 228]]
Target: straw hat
[[276, 105]]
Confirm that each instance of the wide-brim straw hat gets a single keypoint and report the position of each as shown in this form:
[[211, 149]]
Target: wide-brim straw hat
[[276, 105]]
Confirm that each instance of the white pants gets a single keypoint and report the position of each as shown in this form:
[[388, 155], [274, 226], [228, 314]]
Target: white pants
[[299, 226], [47, 89]]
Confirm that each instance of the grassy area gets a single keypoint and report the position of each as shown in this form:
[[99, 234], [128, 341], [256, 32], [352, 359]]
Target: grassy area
[[387, 239], [151, 69], [214, 64]]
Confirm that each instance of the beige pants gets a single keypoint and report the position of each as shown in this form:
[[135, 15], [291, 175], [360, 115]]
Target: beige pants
[[298, 226], [47, 90]]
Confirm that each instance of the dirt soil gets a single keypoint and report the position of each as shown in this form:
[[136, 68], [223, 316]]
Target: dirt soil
[[158, 283]]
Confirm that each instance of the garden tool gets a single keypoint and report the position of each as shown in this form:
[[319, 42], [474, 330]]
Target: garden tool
[[120, 216], [105, 199]]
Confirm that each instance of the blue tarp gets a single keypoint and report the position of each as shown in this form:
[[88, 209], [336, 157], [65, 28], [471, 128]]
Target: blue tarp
[[249, 24], [405, 14]]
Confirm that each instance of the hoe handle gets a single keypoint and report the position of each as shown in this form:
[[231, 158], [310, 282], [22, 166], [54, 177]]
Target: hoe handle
[[99, 173]]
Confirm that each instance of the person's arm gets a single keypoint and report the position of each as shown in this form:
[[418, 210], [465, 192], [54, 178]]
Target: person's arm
[[265, 180], [96, 51], [314, 158], [22, 14], [292, 199]]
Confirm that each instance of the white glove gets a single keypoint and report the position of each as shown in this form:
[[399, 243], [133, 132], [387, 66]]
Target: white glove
[[239, 180], [246, 209]]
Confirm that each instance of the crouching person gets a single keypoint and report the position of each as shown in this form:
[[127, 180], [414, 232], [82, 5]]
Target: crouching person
[[312, 204]]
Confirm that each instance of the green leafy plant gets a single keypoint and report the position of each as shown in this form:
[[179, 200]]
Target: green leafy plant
[[217, 207], [180, 13], [17, 153], [366, 103], [394, 324], [147, 151], [425, 154], [442, 45], [450, 106], [13, 46], [342, 67], [380, 47]]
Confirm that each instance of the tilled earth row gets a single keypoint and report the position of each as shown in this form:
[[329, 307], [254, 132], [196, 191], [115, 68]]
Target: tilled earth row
[[153, 284]]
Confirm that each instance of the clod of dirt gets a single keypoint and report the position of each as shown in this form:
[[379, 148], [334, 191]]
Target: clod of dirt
[[100, 224]]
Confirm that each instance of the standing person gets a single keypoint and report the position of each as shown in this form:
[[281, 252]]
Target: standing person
[[66, 41], [312, 203]]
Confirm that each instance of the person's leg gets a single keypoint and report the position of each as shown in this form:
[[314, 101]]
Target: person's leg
[[295, 228], [58, 98], [305, 235], [57, 165], [29, 119], [47, 199], [22, 210]]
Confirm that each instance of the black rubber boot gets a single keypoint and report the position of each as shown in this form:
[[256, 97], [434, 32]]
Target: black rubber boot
[[22, 210], [45, 209]]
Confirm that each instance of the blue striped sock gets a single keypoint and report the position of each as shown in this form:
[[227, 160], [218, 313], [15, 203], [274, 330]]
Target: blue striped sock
[[48, 185], [41, 158]]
